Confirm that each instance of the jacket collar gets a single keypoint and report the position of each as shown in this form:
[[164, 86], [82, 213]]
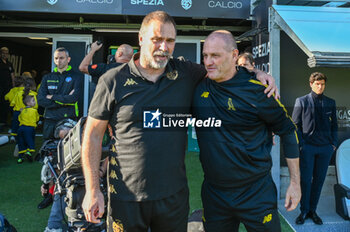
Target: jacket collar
[[68, 68]]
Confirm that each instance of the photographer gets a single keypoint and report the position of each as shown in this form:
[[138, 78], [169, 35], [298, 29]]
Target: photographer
[[57, 210]]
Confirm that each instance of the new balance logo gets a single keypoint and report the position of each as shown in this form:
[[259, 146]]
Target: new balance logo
[[205, 94], [267, 218], [130, 81]]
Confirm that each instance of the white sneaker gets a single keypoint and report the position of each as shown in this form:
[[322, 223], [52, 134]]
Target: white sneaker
[[15, 152], [52, 230]]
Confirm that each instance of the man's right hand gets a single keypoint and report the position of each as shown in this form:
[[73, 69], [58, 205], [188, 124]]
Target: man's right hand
[[93, 206], [95, 47]]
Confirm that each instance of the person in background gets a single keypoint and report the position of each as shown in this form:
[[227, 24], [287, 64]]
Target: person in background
[[246, 60], [19, 86], [7, 76], [122, 55], [56, 218], [18, 106], [315, 116], [26, 131], [59, 93]]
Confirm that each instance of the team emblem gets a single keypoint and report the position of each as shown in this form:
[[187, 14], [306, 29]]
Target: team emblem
[[186, 4], [52, 2], [230, 105], [172, 75], [118, 226], [68, 79]]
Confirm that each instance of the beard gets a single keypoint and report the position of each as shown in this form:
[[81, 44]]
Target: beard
[[158, 64]]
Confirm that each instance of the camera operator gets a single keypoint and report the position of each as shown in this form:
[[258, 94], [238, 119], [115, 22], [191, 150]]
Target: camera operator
[[57, 210]]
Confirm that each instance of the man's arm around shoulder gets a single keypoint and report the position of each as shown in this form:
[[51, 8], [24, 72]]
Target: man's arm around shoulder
[[93, 203]]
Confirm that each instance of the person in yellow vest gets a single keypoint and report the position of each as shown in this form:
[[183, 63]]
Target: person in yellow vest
[[17, 104], [26, 132], [19, 86]]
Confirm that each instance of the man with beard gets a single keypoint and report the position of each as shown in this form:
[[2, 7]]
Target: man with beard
[[147, 179]]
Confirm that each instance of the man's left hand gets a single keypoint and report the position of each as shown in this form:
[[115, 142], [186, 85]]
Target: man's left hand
[[268, 80], [293, 196]]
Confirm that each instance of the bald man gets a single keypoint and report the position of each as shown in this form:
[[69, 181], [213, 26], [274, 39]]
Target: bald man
[[238, 186], [122, 55]]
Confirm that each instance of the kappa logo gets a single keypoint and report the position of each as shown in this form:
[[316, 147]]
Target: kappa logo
[[52, 2], [205, 94], [186, 4], [230, 104], [267, 218], [130, 81]]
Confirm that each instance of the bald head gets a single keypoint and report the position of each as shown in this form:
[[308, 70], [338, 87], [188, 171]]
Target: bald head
[[226, 36], [124, 53]]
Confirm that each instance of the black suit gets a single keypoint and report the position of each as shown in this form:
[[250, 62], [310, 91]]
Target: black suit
[[316, 119]]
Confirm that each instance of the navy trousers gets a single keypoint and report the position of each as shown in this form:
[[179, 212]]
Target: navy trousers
[[15, 123], [314, 161], [26, 139]]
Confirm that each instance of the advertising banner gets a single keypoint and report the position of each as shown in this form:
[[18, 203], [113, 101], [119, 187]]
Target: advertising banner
[[234, 9]]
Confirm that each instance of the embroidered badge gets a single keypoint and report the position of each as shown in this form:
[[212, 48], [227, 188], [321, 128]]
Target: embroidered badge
[[172, 75], [118, 226], [230, 104]]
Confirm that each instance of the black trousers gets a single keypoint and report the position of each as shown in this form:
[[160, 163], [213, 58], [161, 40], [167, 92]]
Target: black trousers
[[165, 215], [254, 205], [314, 162], [49, 129], [4, 106]]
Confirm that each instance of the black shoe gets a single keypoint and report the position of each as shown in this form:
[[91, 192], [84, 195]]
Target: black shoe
[[315, 218], [46, 202], [301, 219]]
